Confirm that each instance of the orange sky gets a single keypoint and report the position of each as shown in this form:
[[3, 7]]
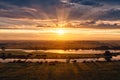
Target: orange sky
[[60, 34], [59, 20]]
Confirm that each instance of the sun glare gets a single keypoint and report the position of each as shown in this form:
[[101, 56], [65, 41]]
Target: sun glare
[[60, 31]]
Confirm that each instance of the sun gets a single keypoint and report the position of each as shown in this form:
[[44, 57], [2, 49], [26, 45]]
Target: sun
[[60, 31]]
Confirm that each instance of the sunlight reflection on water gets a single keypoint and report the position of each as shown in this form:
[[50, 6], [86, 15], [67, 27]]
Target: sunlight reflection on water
[[80, 51]]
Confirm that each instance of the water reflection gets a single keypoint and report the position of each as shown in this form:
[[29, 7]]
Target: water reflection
[[80, 51]]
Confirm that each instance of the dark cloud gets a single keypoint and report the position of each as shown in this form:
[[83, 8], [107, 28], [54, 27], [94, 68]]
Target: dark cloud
[[112, 14], [96, 2], [75, 1], [15, 14], [101, 9], [16, 2], [87, 2], [2, 6], [15, 7], [47, 8], [31, 2], [92, 10], [109, 25], [95, 14], [91, 3], [100, 24], [115, 2]]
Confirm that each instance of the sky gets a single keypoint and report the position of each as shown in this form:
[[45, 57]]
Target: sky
[[59, 19]]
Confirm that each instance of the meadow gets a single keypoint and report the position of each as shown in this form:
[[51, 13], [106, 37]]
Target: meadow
[[65, 45], [88, 70], [60, 71]]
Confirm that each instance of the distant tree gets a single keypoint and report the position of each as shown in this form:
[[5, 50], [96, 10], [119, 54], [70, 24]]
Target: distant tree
[[9, 55], [74, 61], [103, 47], [44, 56], [3, 49], [3, 55], [68, 60], [107, 56], [29, 55]]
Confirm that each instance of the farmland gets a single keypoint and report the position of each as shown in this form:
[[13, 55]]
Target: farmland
[[65, 45], [60, 71]]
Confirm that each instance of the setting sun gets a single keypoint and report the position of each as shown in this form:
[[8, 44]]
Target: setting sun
[[60, 32]]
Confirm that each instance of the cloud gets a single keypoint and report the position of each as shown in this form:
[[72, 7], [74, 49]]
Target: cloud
[[10, 23], [87, 2], [100, 24], [45, 3], [96, 2], [91, 3], [111, 14], [89, 12], [26, 8], [76, 1], [113, 2], [47, 9]]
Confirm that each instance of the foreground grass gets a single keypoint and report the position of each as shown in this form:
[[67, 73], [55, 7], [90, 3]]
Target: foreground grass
[[60, 71]]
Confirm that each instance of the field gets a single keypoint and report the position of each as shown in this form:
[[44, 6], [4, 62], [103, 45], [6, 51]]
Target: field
[[60, 71], [65, 45], [86, 70]]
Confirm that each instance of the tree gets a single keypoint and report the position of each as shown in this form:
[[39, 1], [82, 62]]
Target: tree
[[107, 56], [3, 55], [3, 49]]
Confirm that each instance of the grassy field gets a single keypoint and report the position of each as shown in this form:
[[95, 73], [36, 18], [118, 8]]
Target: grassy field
[[65, 45], [60, 71]]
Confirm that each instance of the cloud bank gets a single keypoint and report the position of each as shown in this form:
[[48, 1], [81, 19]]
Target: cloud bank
[[90, 13]]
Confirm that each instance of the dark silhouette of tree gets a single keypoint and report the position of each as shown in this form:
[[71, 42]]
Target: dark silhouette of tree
[[103, 47], [74, 61], [107, 56], [3, 49], [68, 60], [3, 55], [9, 55], [29, 55]]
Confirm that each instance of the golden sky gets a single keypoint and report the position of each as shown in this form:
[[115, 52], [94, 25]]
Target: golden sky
[[59, 20], [60, 34]]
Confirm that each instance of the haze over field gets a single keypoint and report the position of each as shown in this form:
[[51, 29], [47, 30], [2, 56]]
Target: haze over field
[[59, 20]]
